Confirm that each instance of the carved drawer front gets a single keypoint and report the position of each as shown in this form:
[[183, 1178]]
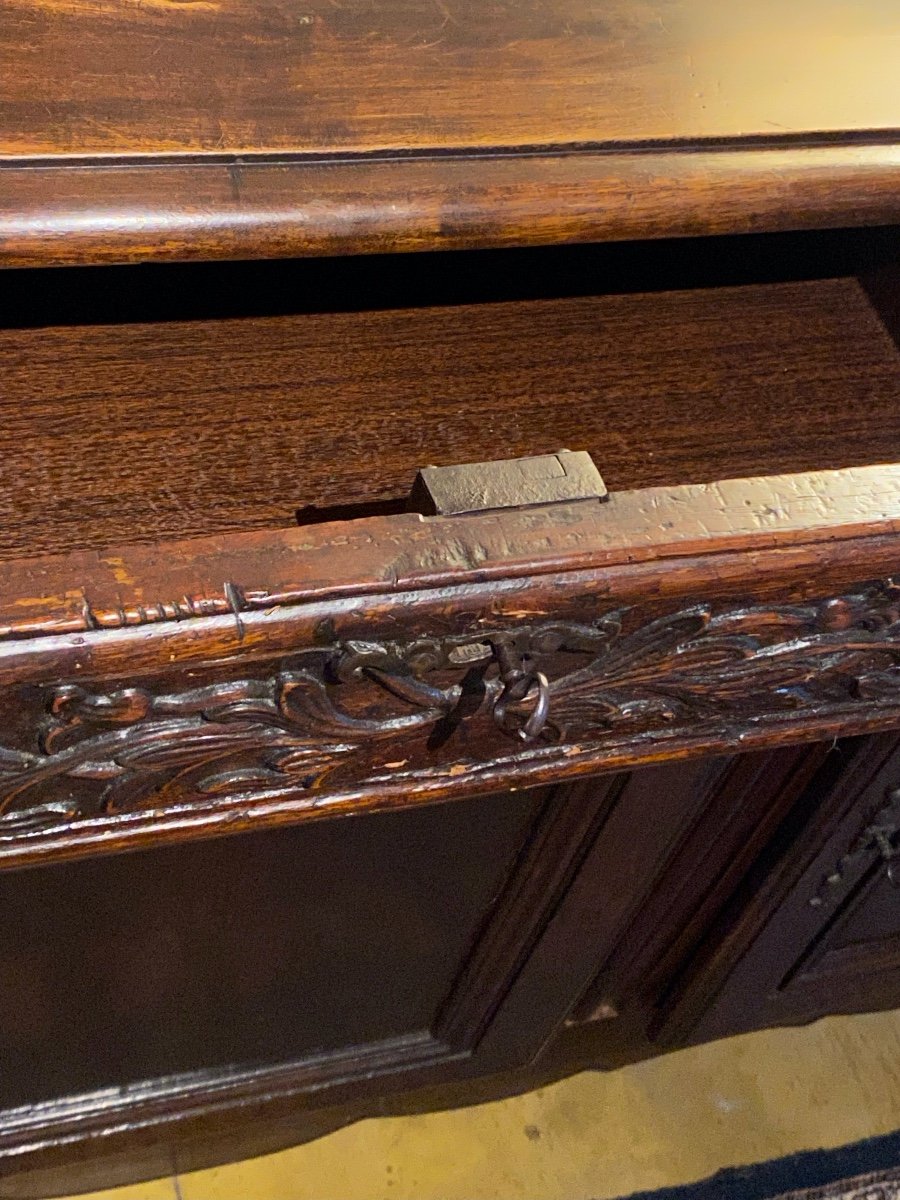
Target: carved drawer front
[[397, 660]]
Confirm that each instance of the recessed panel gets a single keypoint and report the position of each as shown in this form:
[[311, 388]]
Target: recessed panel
[[255, 949]]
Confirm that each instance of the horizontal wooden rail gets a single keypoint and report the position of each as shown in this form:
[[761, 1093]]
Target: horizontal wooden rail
[[133, 211]]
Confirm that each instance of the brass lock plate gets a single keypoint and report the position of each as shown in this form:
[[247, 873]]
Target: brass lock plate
[[511, 483]]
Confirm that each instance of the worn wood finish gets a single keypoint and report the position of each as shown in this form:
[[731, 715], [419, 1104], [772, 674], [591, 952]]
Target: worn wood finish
[[582, 893], [180, 660], [266, 575], [412, 75], [493, 1014], [332, 409], [812, 931], [346, 129], [670, 622], [345, 667]]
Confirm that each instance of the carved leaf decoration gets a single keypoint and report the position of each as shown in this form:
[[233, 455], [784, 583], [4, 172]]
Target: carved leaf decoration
[[219, 697], [123, 707], [877, 837], [249, 779], [78, 714], [627, 677], [14, 762], [161, 747], [93, 769], [64, 733], [636, 655], [263, 712], [306, 766], [879, 686], [694, 666], [301, 760], [292, 726], [40, 815], [306, 702], [235, 781]]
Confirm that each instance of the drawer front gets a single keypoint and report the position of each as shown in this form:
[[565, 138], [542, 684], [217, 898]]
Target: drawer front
[[398, 660]]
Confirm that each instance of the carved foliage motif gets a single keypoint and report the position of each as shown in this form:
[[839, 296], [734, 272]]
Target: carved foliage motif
[[877, 840], [296, 724]]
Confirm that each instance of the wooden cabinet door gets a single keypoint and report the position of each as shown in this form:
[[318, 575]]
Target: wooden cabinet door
[[725, 895], [675, 845], [347, 958], [196, 977], [816, 930]]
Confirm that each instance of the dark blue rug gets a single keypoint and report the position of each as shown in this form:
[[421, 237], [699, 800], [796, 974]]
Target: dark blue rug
[[815, 1168]]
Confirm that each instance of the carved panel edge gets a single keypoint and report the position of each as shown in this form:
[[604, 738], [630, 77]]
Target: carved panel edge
[[357, 718]]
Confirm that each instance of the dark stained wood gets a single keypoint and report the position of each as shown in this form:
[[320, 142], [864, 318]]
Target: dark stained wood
[[595, 763], [203, 956], [583, 884], [61, 216], [567, 826], [204, 969], [331, 128], [649, 874], [647, 813], [291, 574], [655, 624], [728, 814], [814, 930], [336, 408], [769, 587], [409, 74], [249, 954]]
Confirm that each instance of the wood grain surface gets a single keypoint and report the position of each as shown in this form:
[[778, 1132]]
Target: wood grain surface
[[132, 433], [223, 76], [147, 211], [176, 585], [334, 127]]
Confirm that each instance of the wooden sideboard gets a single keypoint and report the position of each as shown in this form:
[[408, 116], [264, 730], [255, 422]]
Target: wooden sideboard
[[323, 795]]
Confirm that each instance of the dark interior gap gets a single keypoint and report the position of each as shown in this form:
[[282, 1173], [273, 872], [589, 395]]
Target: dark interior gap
[[214, 290]]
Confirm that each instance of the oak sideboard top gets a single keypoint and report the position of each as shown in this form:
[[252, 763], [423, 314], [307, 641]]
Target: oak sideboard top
[[222, 129], [326, 76]]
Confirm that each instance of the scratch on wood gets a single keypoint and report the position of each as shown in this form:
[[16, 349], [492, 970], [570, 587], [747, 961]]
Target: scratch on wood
[[90, 621], [236, 602]]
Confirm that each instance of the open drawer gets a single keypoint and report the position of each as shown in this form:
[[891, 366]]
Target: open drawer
[[221, 614], [180, 657]]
